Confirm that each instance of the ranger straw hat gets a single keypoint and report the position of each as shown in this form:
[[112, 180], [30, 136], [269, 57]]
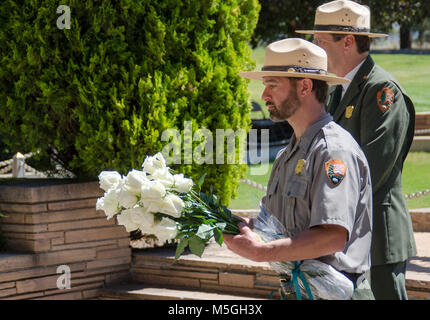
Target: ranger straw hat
[[343, 17], [297, 58]]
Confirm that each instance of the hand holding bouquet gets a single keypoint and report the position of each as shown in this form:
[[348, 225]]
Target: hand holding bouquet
[[156, 201]]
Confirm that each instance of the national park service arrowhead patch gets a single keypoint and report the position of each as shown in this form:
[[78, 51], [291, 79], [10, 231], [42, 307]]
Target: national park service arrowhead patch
[[336, 171], [385, 99]]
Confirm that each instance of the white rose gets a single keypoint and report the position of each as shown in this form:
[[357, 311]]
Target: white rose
[[134, 180], [125, 219], [153, 163], [172, 205], [182, 184], [126, 199], [152, 190], [163, 176], [109, 203], [109, 179], [143, 219], [165, 229], [153, 206]]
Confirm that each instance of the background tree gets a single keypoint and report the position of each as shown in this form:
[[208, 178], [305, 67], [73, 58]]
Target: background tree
[[409, 14], [99, 95], [280, 18]]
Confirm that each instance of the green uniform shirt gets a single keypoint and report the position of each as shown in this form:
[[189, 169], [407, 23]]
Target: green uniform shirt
[[324, 179], [381, 118]]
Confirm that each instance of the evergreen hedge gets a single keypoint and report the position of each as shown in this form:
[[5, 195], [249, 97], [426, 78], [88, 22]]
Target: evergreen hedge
[[99, 95]]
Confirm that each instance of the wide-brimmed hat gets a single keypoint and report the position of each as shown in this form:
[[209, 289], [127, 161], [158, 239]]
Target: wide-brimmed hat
[[343, 17], [297, 58]]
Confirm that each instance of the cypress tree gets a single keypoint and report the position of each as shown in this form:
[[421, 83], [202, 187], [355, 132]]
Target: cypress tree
[[99, 95]]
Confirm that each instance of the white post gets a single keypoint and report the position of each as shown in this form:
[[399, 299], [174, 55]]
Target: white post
[[18, 170]]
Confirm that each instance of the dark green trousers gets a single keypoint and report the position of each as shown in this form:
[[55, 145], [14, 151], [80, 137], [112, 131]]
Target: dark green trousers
[[388, 281]]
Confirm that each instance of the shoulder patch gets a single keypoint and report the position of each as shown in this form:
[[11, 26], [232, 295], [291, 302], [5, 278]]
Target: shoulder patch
[[385, 99], [335, 170]]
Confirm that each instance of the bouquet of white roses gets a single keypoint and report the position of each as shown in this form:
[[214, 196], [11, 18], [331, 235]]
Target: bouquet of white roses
[[158, 202]]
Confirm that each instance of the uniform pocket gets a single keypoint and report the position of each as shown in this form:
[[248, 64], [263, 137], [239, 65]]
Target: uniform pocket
[[295, 188], [294, 194]]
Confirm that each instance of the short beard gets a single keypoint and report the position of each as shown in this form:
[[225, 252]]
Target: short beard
[[288, 107]]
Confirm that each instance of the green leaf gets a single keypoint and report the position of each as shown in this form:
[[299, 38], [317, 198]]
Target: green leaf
[[197, 245], [181, 247], [201, 180], [218, 236]]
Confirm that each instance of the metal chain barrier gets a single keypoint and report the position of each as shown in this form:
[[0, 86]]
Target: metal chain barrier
[[407, 196], [254, 184], [8, 165], [417, 194]]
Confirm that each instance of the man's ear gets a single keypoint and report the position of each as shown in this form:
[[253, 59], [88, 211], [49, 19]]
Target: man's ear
[[304, 87], [348, 42]]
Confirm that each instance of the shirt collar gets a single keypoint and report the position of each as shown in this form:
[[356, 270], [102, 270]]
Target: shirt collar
[[350, 76], [310, 133]]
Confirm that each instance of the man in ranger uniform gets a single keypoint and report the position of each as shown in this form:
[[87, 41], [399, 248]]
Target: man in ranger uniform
[[381, 117], [319, 188]]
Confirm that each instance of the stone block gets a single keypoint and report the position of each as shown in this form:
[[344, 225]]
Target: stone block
[[113, 253], [108, 262], [64, 257], [23, 208], [80, 224], [15, 261], [420, 219], [166, 280], [77, 295], [46, 190], [13, 218], [7, 292], [61, 216], [72, 204], [29, 246], [24, 228], [95, 234], [36, 272], [6, 285], [79, 245], [37, 284], [236, 280]]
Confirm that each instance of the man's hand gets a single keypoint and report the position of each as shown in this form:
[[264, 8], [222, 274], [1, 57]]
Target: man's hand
[[245, 244], [247, 221]]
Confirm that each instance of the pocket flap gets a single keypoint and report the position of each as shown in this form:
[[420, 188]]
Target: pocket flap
[[295, 188]]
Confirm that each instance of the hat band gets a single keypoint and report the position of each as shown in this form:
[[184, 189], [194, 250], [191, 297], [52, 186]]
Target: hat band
[[292, 68], [319, 27]]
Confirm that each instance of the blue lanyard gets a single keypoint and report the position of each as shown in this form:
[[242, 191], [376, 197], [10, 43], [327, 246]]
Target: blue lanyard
[[296, 274]]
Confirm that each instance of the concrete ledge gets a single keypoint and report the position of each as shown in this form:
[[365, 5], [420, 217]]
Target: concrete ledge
[[420, 219], [53, 225], [421, 143]]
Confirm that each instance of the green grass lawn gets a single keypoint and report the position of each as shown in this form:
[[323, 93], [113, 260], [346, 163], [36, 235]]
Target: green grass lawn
[[416, 177], [412, 72]]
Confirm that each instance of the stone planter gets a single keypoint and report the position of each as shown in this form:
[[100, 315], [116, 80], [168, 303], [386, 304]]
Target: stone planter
[[50, 223]]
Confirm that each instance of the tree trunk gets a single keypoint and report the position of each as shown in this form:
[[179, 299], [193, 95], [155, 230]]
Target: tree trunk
[[405, 38]]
